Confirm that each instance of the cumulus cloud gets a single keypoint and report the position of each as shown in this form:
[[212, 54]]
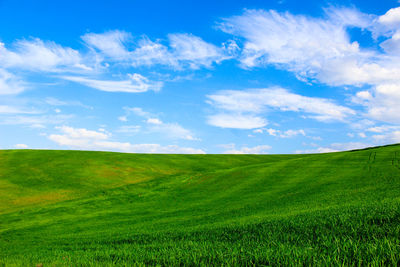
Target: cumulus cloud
[[241, 109], [382, 102], [81, 138], [391, 18], [135, 83]]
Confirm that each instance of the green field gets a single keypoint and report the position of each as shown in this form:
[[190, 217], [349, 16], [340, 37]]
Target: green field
[[75, 208]]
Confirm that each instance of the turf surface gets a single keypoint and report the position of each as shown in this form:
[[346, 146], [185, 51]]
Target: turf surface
[[77, 208]]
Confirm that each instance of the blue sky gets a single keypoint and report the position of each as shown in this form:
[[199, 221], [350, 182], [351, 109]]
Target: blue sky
[[199, 77]]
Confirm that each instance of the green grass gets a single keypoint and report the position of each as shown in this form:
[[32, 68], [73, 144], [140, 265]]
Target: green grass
[[75, 208]]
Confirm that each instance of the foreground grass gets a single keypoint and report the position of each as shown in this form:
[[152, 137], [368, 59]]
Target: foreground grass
[[127, 209]]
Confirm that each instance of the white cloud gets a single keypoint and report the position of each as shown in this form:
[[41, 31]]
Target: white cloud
[[335, 147], [282, 134], [194, 51], [138, 111], [261, 149], [172, 130], [82, 133], [383, 104], [316, 150], [155, 125], [149, 53], [236, 121], [35, 121], [292, 133], [9, 83], [388, 138], [111, 44], [184, 50], [382, 128], [57, 102], [5, 109], [320, 49], [313, 48], [135, 84], [300, 42], [272, 132], [44, 57], [21, 146], [129, 129], [96, 140], [123, 118], [241, 108], [154, 121], [349, 146], [37, 55], [391, 18]]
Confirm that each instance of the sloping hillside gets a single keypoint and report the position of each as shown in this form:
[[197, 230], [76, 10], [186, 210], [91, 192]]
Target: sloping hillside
[[83, 208]]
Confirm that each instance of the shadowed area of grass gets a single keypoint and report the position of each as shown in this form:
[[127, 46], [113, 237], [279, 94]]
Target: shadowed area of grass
[[99, 208]]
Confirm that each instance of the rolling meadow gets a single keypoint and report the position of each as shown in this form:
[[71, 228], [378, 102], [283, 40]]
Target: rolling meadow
[[82, 208]]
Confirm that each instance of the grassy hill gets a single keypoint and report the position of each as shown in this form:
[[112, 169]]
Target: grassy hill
[[96, 209]]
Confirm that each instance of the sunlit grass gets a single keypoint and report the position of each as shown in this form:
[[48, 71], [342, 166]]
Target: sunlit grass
[[338, 208]]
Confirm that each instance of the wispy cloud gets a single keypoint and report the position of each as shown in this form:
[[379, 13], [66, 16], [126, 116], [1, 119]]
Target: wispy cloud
[[321, 50], [135, 83], [57, 102], [110, 44], [37, 55], [183, 50]]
